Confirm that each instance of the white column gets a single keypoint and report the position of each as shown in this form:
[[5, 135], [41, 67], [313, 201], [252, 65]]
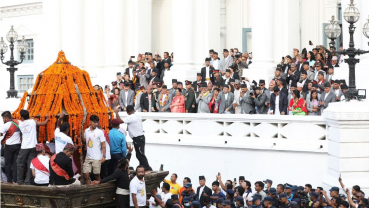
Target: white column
[[182, 25], [50, 35], [92, 38], [71, 30], [205, 30], [262, 14], [348, 144]]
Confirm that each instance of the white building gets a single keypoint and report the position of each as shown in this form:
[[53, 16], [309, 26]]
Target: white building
[[99, 36]]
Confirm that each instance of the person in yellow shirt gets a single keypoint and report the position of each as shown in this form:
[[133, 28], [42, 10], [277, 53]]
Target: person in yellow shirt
[[174, 186]]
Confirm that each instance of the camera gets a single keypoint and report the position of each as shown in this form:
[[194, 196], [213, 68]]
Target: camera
[[303, 198]]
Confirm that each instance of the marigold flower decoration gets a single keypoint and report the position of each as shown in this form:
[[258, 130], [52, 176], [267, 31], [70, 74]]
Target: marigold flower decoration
[[55, 91]]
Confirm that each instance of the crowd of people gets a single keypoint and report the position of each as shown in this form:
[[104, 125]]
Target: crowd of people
[[30, 163], [303, 84]]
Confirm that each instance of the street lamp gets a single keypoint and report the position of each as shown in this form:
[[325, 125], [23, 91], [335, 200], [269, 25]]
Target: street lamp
[[22, 48], [332, 31], [351, 15]]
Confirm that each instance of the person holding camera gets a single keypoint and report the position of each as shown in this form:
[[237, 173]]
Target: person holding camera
[[259, 98]]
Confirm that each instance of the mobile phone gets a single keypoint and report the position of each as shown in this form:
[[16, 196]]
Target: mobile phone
[[310, 43], [119, 73], [133, 56], [283, 57], [218, 173], [161, 167], [235, 179]]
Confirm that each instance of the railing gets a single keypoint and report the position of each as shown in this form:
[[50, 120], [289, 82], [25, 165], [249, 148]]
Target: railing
[[294, 133]]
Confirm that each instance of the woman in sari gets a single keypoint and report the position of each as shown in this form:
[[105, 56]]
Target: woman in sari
[[114, 98], [212, 106], [297, 105], [178, 102]]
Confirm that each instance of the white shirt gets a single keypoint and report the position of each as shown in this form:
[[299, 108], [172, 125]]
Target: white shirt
[[126, 97], [29, 133], [61, 140], [211, 206], [337, 92], [165, 196], [121, 130], [107, 151], [15, 138], [249, 198], [93, 143], [325, 96], [164, 96], [207, 72], [226, 96], [201, 190], [137, 187], [276, 110], [41, 177], [216, 64], [134, 124], [152, 201]]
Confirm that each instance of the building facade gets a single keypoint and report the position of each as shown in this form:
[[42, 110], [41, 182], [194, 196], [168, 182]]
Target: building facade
[[100, 35]]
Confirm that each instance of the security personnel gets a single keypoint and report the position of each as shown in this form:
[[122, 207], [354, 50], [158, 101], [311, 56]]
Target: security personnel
[[217, 76], [190, 101], [196, 83]]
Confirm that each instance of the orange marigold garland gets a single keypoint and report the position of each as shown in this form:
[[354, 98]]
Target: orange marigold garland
[[55, 91]]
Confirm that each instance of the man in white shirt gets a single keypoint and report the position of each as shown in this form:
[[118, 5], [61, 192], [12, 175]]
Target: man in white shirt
[[236, 102], [40, 167], [215, 61], [137, 189], [28, 148], [165, 195], [135, 130], [96, 150], [12, 142], [61, 135]]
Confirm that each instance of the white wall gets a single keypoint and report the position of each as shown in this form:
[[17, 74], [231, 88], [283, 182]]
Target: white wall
[[255, 165], [162, 27]]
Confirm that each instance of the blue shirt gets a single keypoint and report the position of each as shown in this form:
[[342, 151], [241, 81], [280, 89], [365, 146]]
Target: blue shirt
[[290, 198], [117, 142], [219, 195]]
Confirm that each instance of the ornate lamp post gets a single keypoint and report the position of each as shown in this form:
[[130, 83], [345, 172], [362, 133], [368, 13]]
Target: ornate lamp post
[[332, 31], [22, 47], [351, 15]]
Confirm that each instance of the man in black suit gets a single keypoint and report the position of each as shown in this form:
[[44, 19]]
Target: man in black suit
[[304, 81], [166, 59], [293, 75], [280, 85], [207, 71], [130, 68], [146, 99], [280, 107], [198, 81], [202, 191]]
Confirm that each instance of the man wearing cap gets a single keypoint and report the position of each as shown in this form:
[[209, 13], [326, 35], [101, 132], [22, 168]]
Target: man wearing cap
[[246, 102], [273, 194], [344, 88], [146, 100], [226, 99], [118, 145], [61, 170], [40, 167], [318, 68], [227, 203], [217, 76], [260, 99], [154, 77], [172, 90], [190, 101], [164, 100], [239, 202], [187, 192], [236, 100], [215, 61], [126, 96], [269, 184], [207, 71], [196, 83], [202, 191], [326, 97], [227, 77], [207, 202], [268, 202], [304, 81], [226, 62], [284, 202], [336, 88], [203, 98]]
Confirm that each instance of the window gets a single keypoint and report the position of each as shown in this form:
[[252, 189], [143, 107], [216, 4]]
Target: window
[[28, 56], [25, 82]]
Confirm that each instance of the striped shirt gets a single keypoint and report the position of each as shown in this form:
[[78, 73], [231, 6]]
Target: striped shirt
[[134, 124]]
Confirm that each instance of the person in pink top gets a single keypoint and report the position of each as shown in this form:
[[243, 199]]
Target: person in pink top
[[178, 102]]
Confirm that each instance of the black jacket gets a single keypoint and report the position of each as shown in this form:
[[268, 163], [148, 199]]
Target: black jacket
[[144, 101], [210, 72], [65, 163], [207, 190], [283, 102]]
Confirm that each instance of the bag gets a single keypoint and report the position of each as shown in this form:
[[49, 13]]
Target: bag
[[296, 112]]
